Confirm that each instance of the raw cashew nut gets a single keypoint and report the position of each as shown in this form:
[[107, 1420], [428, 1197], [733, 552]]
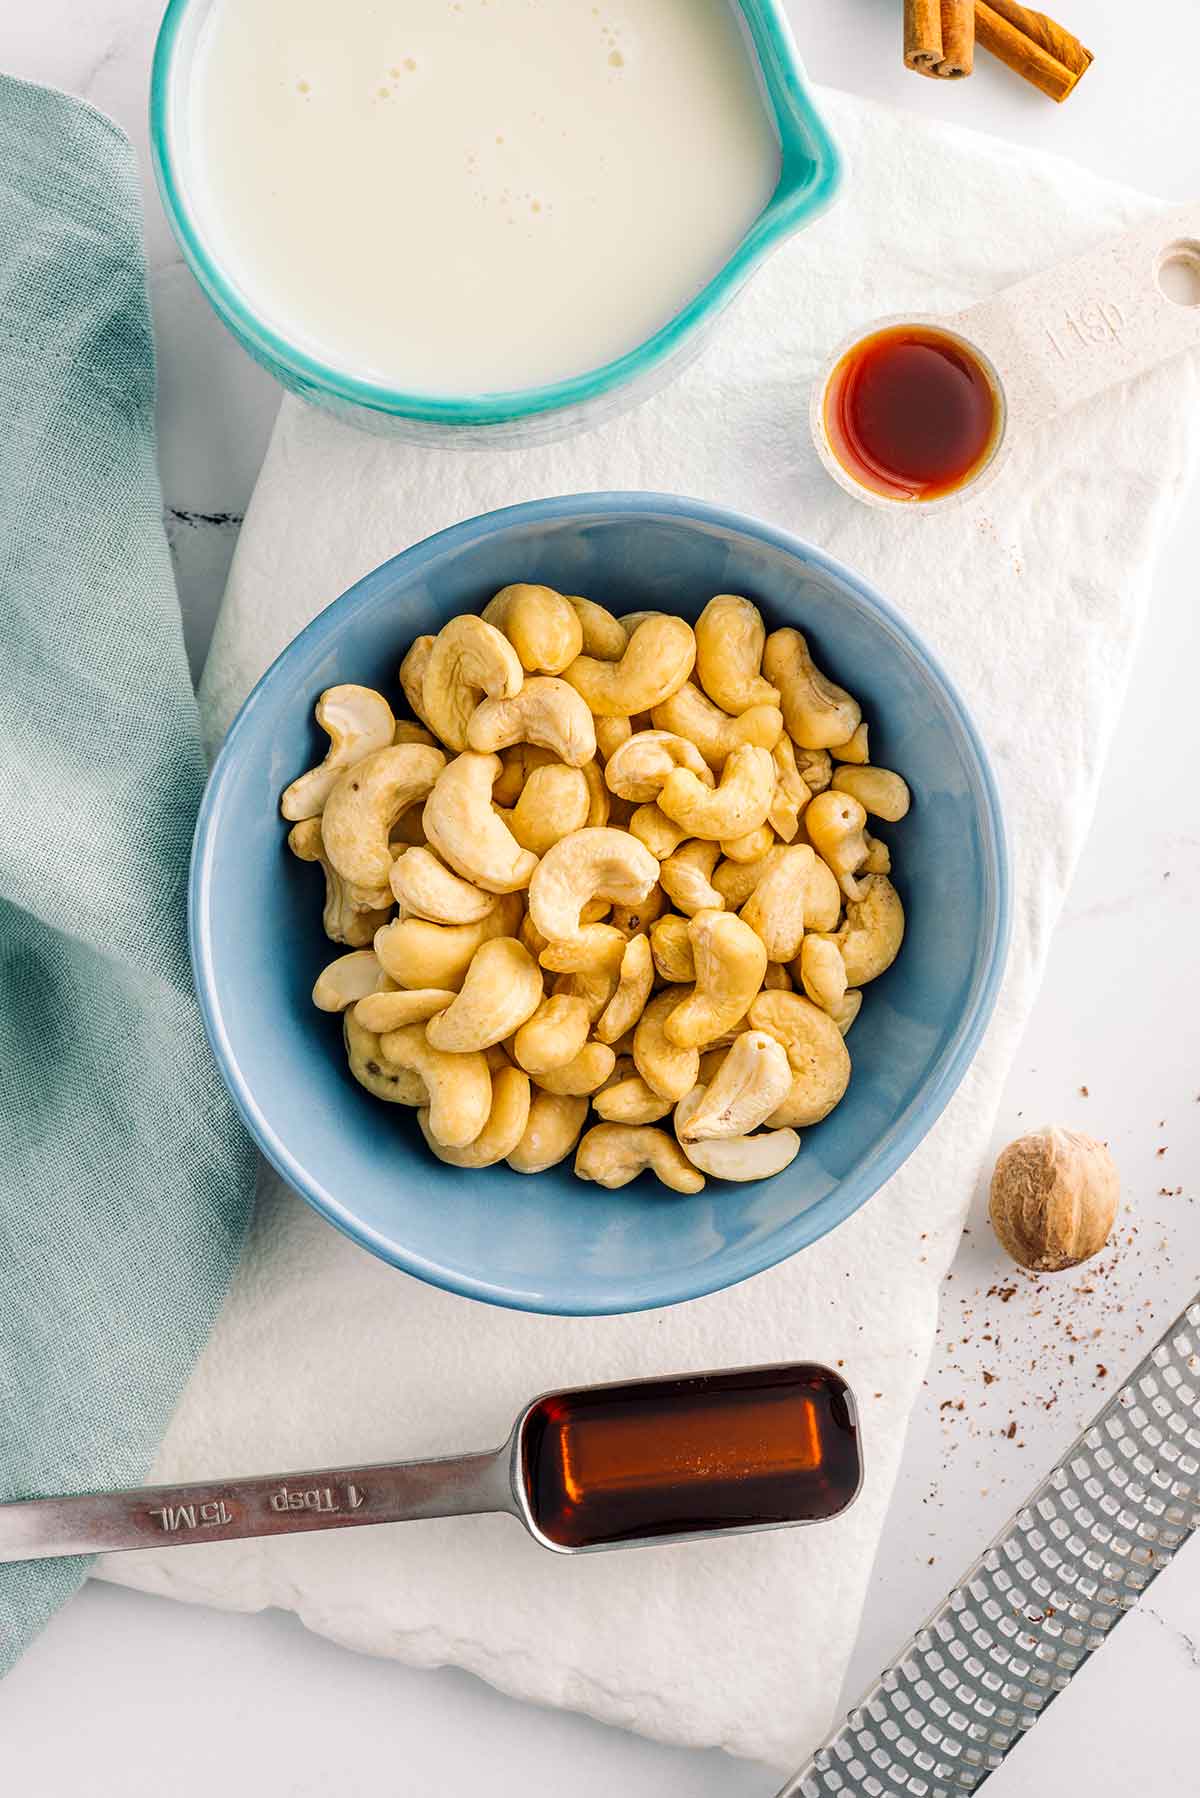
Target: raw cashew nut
[[671, 947], [776, 907], [835, 822], [855, 748], [877, 790], [822, 973], [635, 980], [344, 922], [815, 767], [738, 804], [628, 1100], [425, 888], [469, 657], [503, 987], [394, 1085], [750, 848], [457, 1088], [386, 1011], [754, 1077], [657, 660], [686, 878], [730, 964], [547, 712], [661, 835], [555, 1120], [639, 767], [592, 864], [635, 920], [739, 1158], [362, 808], [792, 792], [597, 949], [585, 1074], [691, 714], [870, 938], [603, 637], [357, 721], [541, 625], [418, 954], [818, 713], [730, 637], [819, 1060], [554, 803], [667, 1069], [553, 1036], [348, 979], [615, 1154], [610, 734], [506, 1124], [412, 675], [467, 832]]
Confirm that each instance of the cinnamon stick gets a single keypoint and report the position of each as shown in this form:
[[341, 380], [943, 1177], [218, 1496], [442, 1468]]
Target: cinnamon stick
[[1036, 47], [939, 37]]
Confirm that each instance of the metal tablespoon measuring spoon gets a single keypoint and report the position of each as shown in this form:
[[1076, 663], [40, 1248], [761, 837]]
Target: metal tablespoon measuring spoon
[[1033, 350], [596, 1467]]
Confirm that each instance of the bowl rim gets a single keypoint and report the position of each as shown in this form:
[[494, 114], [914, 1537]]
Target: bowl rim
[[809, 178], [892, 1148]]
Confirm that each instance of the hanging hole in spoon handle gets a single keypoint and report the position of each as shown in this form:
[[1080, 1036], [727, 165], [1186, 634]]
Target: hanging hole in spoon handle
[[1046, 345]]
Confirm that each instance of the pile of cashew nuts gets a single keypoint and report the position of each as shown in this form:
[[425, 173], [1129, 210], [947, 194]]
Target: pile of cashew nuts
[[609, 863]]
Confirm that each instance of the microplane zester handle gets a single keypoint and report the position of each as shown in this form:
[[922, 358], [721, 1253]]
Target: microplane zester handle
[[1039, 1601], [1090, 323], [37, 1529]]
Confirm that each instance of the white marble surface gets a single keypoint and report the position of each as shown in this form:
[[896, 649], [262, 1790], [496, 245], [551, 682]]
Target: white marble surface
[[1118, 1016]]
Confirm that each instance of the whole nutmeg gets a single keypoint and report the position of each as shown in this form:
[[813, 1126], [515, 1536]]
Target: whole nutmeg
[[1054, 1198]]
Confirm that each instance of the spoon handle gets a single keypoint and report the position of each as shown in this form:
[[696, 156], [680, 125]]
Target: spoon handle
[[267, 1505]]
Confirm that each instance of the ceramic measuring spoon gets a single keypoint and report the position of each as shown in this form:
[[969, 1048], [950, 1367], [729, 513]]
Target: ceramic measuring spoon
[[596, 1467], [1042, 346]]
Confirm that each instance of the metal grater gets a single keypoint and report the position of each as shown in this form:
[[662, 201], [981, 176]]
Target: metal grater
[[1041, 1599]]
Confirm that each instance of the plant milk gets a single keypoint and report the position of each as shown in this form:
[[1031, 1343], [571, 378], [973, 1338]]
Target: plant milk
[[468, 196]]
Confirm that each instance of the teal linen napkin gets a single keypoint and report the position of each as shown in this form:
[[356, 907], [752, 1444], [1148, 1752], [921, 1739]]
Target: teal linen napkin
[[125, 1178]]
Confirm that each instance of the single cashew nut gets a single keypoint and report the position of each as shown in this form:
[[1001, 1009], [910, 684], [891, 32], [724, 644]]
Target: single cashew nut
[[638, 769], [394, 1085], [819, 1060], [615, 1154], [661, 835], [503, 987], [877, 790], [822, 973], [592, 864], [362, 808], [541, 625], [545, 712], [635, 920], [870, 938], [730, 964], [657, 661], [555, 1120], [348, 979], [585, 1074], [418, 955], [343, 921], [457, 1088], [754, 1077], [750, 848], [412, 675], [691, 714], [357, 721], [671, 947], [686, 877], [629, 1100], [425, 888], [384, 1011], [855, 748], [818, 713], [610, 734], [835, 822], [730, 637], [553, 804], [739, 1158], [776, 907], [597, 949], [603, 636], [792, 792], [506, 1124], [553, 1036], [469, 657], [667, 1069], [467, 832], [634, 983], [738, 804]]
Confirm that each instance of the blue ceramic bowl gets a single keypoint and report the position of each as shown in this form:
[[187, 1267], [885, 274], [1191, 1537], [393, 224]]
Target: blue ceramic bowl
[[550, 1242]]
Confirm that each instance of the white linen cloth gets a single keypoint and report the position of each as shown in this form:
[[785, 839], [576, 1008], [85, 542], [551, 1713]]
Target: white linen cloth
[[1032, 596]]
